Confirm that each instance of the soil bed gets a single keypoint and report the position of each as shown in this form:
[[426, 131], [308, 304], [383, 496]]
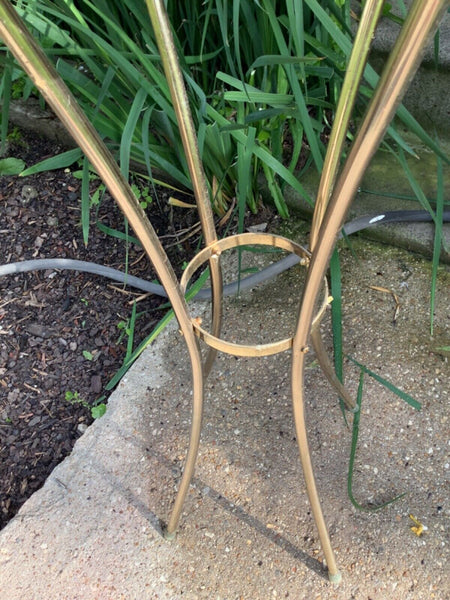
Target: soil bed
[[60, 331]]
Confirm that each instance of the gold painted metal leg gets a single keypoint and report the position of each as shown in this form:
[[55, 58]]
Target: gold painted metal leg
[[420, 24], [305, 457], [200, 375], [194, 441], [328, 370]]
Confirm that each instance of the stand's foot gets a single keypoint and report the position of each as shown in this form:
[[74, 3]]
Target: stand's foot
[[335, 577], [167, 535]]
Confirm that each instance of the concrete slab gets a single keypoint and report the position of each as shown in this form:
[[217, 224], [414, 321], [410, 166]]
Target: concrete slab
[[93, 531]]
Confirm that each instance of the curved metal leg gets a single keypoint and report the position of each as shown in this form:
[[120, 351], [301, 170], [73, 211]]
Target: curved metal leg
[[418, 27], [47, 80], [169, 59], [302, 440], [194, 442], [327, 368], [199, 376]]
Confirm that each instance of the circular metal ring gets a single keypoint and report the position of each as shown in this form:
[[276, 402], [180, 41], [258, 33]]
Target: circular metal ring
[[213, 251]]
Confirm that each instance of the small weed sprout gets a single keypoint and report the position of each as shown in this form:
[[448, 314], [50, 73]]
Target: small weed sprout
[[15, 136], [97, 410], [88, 355], [143, 195], [124, 329], [75, 398], [97, 195]]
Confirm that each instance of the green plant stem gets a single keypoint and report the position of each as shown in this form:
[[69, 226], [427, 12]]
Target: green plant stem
[[336, 321], [355, 434]]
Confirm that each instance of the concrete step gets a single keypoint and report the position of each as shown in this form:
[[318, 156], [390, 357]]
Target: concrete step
[[427, 97], [385, 187]]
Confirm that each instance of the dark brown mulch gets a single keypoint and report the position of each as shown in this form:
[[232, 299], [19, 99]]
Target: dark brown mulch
[[48, 319]]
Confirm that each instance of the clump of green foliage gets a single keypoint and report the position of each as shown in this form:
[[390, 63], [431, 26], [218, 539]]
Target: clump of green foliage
[[263, 81]]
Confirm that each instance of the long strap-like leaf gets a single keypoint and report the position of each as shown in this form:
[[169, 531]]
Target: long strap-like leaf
[[355, 68]]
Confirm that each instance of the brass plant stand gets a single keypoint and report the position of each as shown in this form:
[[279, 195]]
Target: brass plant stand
[[331, 207]]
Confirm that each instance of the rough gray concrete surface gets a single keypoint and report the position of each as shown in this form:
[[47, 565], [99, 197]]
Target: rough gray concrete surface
[[427, 97], [93, 531], [385, 187]]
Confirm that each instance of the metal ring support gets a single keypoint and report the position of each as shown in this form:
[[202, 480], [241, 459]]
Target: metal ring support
[[240, 240]]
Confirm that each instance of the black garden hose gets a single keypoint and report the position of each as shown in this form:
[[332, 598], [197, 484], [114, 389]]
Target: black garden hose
[[230, 289]]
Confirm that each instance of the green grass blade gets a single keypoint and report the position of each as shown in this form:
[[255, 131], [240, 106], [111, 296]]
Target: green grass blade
[[237, 38], [264, 155], [259, 115], [222, 15], [387, 384], [410, 122], [166, 164], [296, 130], [128, 131], [130, 332], [85, 201], [245, 196], [355, 435], [371, 76], [336, 320], [131, 359], [342, 40], [5, 100], [132, 71], [275, 191], [108, 114], [61, 161], [120, 235], [295, 11], [40, 24], [146, 117], [312, 136], [85, 184], [278, 59], [424, 202], [154, 334], [437, 239], [250, 92], [259, 97], [343, 112]]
